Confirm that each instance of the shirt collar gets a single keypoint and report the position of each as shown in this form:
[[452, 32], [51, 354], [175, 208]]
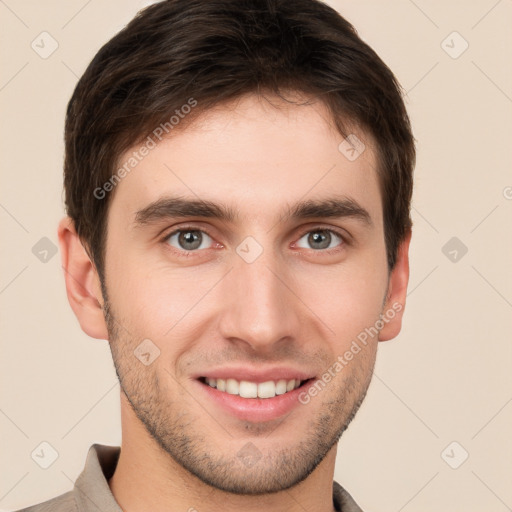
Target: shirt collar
[[91, 491]]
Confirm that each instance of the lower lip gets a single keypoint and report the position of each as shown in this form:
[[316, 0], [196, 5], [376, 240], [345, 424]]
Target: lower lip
[[255, 409]]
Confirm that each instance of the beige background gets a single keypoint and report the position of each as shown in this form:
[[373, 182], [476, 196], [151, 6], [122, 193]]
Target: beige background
[[446, 378]]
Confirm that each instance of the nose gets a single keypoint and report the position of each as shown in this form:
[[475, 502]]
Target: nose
[[259, 306]]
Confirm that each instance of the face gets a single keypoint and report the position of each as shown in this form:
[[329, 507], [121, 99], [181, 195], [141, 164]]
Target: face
[[245, 255]]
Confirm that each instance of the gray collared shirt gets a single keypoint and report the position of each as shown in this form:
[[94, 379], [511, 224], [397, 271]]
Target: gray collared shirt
[[91, 492]]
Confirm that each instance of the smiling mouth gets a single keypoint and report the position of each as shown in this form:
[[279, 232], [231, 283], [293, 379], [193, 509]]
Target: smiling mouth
[[248, 389]]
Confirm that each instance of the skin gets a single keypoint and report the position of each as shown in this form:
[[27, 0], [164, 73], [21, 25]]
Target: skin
[[295, 305]]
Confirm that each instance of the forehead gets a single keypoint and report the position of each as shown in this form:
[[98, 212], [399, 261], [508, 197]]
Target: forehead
[[256, 158]]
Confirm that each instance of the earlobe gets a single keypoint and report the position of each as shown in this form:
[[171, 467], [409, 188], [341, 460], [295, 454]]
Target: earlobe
[[397, 292], [82, 282]]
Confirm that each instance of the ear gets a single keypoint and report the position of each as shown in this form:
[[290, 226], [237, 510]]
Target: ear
[[397, 292], [82, 282]]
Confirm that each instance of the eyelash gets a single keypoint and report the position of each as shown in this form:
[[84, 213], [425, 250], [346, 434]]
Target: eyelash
[[187, 254]]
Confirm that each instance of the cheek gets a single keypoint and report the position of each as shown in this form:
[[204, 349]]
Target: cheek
[[156, 301], [347, 299]]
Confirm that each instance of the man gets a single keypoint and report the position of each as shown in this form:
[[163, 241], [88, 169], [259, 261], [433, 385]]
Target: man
[[238, 179]]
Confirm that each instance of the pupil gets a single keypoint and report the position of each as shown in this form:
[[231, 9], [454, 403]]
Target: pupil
[[322, 237], [190, 240]]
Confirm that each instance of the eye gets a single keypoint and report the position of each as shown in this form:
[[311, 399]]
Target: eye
[[189, 239], [319, 239]]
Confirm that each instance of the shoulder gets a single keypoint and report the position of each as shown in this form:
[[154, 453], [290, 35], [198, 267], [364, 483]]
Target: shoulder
[[63, 503]]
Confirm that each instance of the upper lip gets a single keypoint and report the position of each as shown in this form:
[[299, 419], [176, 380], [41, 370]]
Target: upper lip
[[257, 375]]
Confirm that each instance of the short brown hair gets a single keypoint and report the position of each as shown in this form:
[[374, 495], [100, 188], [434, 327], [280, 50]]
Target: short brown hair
[[215, 51]]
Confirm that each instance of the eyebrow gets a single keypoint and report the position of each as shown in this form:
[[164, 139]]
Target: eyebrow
[[178, 207]]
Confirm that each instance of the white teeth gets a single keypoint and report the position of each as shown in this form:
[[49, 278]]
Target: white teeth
[[281, 387], [267, 389], [232, 387], [247, 389]]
